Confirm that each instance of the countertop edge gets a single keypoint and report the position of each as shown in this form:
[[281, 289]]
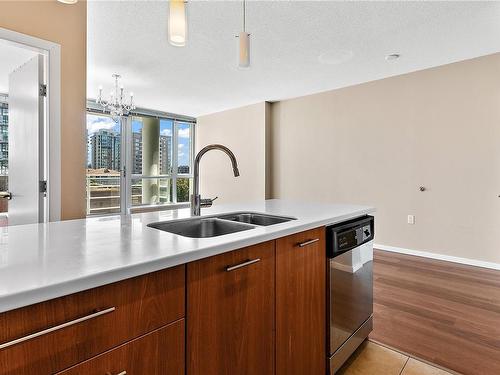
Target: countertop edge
[[42, 294]]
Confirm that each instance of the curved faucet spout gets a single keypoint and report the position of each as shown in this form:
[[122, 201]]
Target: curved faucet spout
[[196, 200]]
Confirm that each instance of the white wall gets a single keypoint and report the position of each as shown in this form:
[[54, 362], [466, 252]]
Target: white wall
[[243, 130]]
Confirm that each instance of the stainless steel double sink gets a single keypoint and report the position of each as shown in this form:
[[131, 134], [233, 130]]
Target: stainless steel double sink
[[218, 225]]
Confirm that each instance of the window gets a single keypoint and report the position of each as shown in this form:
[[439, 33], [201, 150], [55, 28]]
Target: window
[[4, 141], [161, 161], [184, 182], [103, 186], [4, 156], [158, 152]]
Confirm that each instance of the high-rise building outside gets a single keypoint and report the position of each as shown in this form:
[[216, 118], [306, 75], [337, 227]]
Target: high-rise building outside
[[105, 150], [4, 138], [4, 150], [183, 169], [137, 153], [165, 154], [165, 166]]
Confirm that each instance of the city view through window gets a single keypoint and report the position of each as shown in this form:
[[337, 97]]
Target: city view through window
[[159, 153], [4, 155]]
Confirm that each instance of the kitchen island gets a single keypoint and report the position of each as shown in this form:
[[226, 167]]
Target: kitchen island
[[140, 287]]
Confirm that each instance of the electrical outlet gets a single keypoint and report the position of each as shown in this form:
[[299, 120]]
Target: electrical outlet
[[411, 219]]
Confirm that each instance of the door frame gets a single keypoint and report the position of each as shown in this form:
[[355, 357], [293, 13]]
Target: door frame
[[52, 121]]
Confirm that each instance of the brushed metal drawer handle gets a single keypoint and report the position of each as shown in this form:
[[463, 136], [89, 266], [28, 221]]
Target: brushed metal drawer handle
[[303, 244], [122, 373], [244, 264], [56, 328]]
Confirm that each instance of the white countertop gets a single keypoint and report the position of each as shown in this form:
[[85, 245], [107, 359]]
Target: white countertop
[[43, 261]]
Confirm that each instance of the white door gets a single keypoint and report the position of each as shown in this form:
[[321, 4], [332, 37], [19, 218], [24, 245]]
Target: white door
[[26, 115]]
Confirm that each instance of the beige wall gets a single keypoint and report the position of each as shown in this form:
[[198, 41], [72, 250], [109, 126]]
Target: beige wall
[[376, 143], [67, 26], [243, 130]]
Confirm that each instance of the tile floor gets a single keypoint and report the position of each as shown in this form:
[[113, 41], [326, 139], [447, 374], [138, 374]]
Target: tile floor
[[375, 359]]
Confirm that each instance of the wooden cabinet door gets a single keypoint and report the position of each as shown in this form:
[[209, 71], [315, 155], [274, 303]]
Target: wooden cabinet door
[[301, 304], [160, 352], [230, 313]]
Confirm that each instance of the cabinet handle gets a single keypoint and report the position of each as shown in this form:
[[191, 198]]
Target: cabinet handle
[[304, 244], [122, 373], [56, 328], [244, 264]]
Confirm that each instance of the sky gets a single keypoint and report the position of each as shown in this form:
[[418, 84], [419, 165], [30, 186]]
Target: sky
[[97, 122]]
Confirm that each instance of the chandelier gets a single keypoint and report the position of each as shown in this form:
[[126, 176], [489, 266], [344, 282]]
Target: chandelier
[[116, 104]]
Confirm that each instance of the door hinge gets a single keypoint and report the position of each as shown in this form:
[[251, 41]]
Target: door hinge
[[43, 89], [43, 186]]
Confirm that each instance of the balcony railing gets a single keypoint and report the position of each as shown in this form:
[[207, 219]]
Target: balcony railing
[[103, 194]]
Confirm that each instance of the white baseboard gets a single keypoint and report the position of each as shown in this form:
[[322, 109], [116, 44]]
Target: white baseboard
[[448, 258]]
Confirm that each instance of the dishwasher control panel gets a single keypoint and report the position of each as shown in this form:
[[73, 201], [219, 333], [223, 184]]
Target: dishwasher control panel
[[348, 235]]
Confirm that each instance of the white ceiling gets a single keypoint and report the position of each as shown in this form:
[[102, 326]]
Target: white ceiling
[[297, 48], [11, 57]]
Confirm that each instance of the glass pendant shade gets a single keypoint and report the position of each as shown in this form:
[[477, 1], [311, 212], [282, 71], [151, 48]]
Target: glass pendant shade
[[244, 55], [177, 25]]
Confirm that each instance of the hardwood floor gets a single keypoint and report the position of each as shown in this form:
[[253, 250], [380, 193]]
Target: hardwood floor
[[442, 312]]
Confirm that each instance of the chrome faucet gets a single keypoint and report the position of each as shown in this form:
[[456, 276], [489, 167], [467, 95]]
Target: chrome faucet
[[196, 201]]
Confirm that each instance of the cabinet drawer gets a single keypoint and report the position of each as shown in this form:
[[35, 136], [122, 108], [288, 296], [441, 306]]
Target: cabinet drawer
[[59, 333], [158, 353]]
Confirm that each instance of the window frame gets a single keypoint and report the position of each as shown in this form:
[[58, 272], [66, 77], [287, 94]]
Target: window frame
[[126, 159], [121, 181], [174, 175]]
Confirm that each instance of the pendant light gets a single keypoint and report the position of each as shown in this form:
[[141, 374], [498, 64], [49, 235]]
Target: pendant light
[[177, 25], [244, 43]]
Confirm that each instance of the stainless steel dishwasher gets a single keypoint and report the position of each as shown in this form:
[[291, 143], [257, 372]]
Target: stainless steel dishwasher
[[349, 248]]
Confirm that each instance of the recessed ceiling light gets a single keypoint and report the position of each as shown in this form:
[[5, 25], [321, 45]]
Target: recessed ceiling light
[[392, 57], [68, 1], [336, 57]]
